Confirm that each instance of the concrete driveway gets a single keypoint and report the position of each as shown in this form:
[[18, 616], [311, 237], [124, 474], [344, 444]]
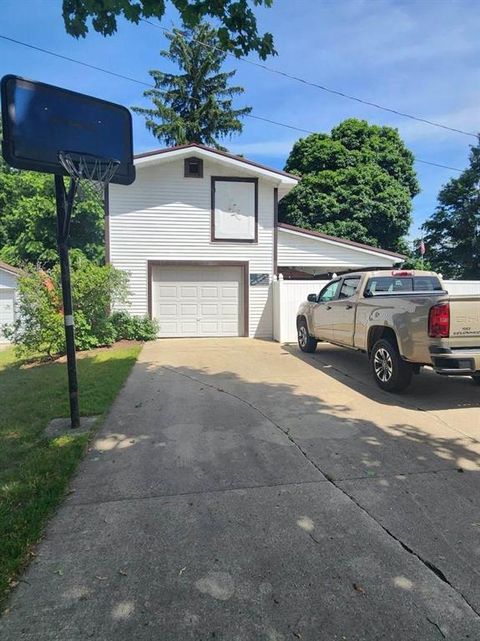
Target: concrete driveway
[[243, 491]]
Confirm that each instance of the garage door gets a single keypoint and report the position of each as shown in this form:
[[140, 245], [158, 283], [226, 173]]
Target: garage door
[[6, 311], [198, 301]]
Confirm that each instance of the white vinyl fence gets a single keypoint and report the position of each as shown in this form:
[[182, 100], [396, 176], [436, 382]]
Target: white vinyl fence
[[462, 286], [288, 294]]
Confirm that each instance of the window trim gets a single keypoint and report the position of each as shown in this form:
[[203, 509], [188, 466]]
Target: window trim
[[214, 180], [186, 167]]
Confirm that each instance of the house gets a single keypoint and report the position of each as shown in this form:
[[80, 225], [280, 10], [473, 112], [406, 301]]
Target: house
[[8, 295], [199, 236]]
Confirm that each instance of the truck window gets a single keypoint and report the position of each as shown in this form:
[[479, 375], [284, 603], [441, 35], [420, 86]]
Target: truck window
[[388, 284], [329, 292], [349, 287]]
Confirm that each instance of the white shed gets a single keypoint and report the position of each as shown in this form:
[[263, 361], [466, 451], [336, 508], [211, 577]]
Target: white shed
[[198, 234], [8, 295]]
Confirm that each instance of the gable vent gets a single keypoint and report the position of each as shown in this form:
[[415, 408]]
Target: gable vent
[[193, 167]]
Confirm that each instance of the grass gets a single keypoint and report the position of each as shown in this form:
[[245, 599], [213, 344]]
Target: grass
[[34, 472]]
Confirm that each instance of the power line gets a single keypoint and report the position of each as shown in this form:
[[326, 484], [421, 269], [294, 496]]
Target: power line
[[310, 83], [78, 62], [149, 85], [309, 131]]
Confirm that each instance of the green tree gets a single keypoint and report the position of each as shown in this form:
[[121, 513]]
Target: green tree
[[452, 233], [238, 31], [195, 105], [28, 220], [357, 183]]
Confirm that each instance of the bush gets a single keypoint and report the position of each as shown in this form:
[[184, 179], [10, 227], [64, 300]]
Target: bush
[[40, 329], [129, 327]]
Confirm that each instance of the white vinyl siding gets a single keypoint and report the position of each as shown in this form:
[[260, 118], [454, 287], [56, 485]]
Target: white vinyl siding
[[198, 301], [296, 250], [164, 216], [8, 286]]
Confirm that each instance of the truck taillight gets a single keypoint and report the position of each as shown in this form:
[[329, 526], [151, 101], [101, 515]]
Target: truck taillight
[[439, 321]]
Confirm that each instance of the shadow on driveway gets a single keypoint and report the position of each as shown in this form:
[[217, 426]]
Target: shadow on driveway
[[428, 391]]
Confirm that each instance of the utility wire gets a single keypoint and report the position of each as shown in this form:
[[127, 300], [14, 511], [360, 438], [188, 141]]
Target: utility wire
[[310, 83], [149, 85], [78, 62]]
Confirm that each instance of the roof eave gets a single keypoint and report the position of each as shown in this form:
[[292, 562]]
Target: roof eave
[[163, 155], [15, 271], [342, 241]]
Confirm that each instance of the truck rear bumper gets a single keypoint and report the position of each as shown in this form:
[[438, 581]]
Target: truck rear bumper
[[459, 362]]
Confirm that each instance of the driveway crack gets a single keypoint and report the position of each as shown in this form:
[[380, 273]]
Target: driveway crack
[[435, 625], [425, 562]]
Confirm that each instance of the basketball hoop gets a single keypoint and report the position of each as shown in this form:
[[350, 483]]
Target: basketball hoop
[[35, 142], [91, 170]]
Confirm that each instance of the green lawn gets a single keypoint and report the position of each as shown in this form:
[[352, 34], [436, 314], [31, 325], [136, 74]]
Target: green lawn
[[34, 472]]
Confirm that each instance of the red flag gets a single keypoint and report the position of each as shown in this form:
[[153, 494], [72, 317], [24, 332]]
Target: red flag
[[421, 248]]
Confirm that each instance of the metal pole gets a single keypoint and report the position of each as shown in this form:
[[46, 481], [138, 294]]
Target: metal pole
[[64, 210]]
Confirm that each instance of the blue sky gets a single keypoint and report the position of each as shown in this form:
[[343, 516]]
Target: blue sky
[[419, 57]]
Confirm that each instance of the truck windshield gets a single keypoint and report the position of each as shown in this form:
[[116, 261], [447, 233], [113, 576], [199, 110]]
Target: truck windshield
[[387, 284]]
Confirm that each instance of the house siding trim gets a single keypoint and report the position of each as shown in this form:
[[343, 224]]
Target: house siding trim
[[275, 231], [239, 179], [204, 263]]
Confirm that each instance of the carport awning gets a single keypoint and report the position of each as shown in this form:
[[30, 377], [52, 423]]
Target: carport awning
[[313, 252]]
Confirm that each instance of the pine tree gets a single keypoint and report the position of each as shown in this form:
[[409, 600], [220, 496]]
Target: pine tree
[[452, 233], [196, 105]]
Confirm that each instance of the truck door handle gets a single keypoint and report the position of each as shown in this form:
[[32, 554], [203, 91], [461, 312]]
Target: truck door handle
[[328, 307], [349, 307]]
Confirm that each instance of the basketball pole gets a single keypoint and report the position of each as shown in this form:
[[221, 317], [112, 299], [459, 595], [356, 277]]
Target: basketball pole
[[64, 202]]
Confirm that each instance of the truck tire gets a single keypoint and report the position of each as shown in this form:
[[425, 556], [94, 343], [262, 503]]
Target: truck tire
[[389, 370], [476, 379], [305, 341]]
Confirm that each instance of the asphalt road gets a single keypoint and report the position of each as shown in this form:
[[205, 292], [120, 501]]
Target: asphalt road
[[240, 490]]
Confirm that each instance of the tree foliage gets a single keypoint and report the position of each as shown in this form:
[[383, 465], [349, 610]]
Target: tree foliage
[[39, 328], [28, 220], [452, 233], [238, 31], [195, 105], [357, 183]]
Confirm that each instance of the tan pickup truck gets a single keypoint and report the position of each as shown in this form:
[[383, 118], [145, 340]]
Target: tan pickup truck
[[402, 319]]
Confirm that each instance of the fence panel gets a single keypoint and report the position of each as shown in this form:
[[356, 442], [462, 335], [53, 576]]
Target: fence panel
[[287, 296], [462, 286]]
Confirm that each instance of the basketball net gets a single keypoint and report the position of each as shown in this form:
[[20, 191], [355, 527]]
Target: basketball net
[[91, 172]]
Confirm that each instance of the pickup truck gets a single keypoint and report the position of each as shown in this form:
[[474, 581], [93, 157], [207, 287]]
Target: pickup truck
[[401, 319]]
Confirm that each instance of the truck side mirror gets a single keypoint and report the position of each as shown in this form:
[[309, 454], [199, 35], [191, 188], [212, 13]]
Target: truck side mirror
[[312, 298]]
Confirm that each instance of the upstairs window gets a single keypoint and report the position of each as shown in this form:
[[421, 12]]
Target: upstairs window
[[193, 168], [234, 209]]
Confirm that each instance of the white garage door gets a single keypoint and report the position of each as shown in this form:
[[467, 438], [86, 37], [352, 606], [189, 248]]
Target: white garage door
[[6, 311], [198, 300]]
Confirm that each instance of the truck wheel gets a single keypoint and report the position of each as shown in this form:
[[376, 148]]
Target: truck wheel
[[305, 341], [476, 379], [389, 370]]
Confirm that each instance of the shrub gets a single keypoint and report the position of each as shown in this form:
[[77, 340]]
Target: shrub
[[129, 327], [39, 324], [40, 329]]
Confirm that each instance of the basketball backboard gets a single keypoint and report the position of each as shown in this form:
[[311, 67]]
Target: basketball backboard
[[41, 120]]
